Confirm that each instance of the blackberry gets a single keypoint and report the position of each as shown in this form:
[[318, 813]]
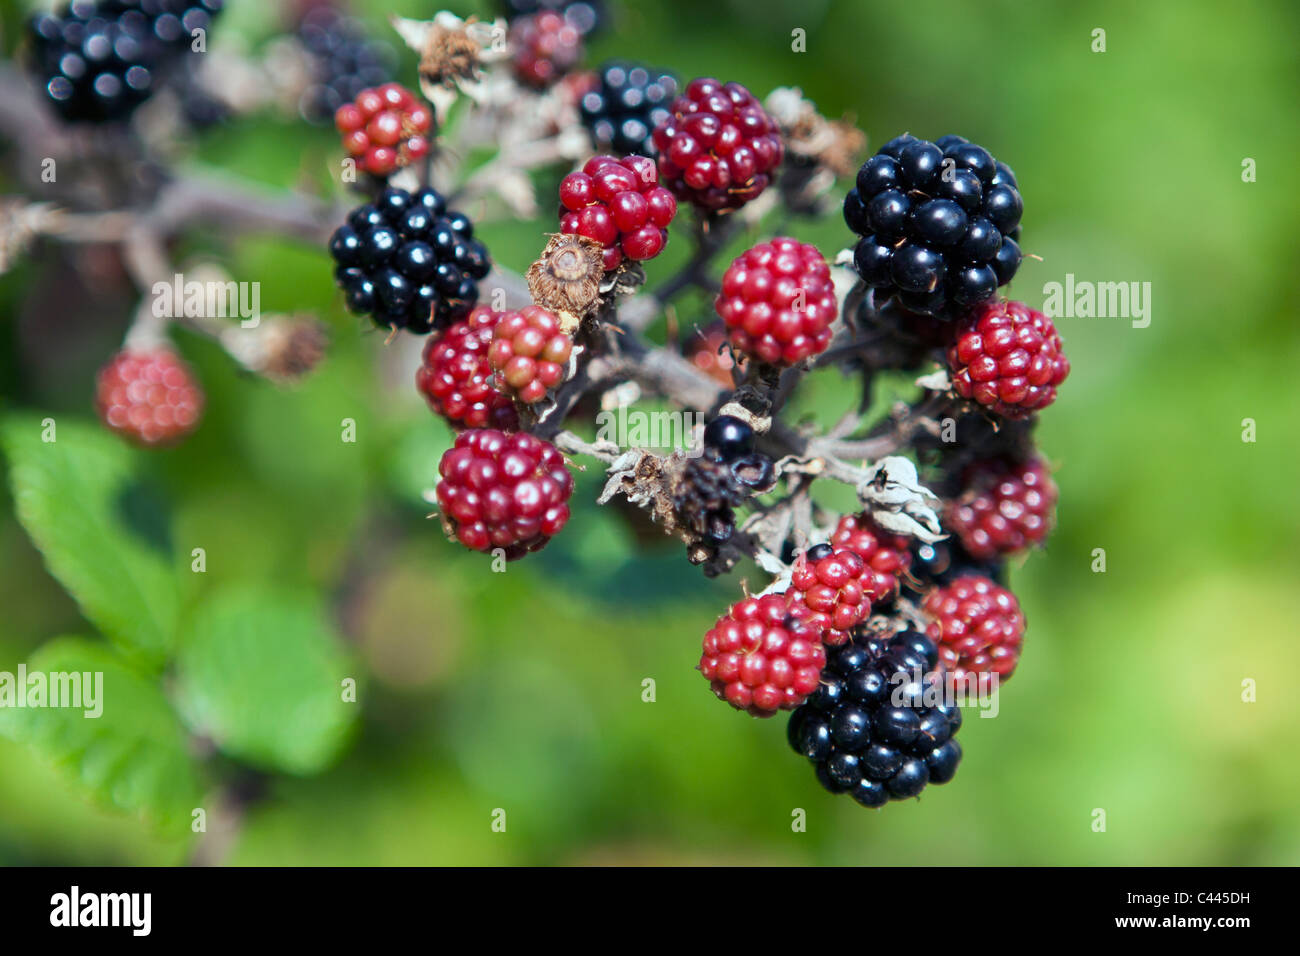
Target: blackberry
[[344, 61], [939, 223], [408, 261], [625, 105], [100, 59], [586, 16], [874, 727]]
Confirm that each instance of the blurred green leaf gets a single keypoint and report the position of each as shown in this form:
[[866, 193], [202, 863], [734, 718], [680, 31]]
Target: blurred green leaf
[[133, 756], [260, 671], [70, 495]]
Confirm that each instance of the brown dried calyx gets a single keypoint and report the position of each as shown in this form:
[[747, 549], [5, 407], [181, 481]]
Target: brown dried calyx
[[808, 136], [566, 277], [450, 54], [282, 349]]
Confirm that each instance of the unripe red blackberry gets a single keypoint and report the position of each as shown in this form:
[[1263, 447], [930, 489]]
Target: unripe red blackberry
[[778, 301], [759, 659], [1008, 358], [385, 128], [979, 628], [503, 491], [545, 46], [529, 353], [828, 589], [455, 375], [719, 148], [619, 204], [1004, 508], [149, 397], [887, 555]]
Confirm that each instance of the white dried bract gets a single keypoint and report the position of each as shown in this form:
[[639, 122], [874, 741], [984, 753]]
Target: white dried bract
[[452, 51], [937, 381], [891, 491]]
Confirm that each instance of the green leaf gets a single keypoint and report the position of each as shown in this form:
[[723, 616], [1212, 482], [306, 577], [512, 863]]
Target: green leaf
[[134, 756], [78, 499], [260, 672]]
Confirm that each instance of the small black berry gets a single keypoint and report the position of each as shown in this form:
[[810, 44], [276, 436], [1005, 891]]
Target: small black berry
[[909, 780], [877, 174], [887, 212], [942, 762], [728, 438]]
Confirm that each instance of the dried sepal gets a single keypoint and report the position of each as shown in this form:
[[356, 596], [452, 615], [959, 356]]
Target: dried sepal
[[452, 53], [281, 348], [819, 151], [835, 145], [566, 278]]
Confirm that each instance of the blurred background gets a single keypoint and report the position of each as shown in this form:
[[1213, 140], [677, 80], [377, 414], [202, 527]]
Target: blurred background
[[522, 690]]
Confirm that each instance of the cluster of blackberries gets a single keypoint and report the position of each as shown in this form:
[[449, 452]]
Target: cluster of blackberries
[[100, 59], [938, 223], [877, 727], [408, 261], [344, 61], [625, 104], [727, 472]]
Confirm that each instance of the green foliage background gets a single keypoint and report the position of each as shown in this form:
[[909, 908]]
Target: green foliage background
[[522, 690]]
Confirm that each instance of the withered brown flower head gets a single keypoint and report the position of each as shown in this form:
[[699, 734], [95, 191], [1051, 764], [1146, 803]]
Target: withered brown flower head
[[301, 346], [282, 349], [566, 278], [835, 145], [450, 54]]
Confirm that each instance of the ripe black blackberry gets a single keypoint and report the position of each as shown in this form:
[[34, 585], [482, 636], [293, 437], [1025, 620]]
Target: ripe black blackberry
[[939, 223], [100, 59], [624, 107], [408, 261], [586, 16], [873, 727], [938, 564], [344, 61]]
